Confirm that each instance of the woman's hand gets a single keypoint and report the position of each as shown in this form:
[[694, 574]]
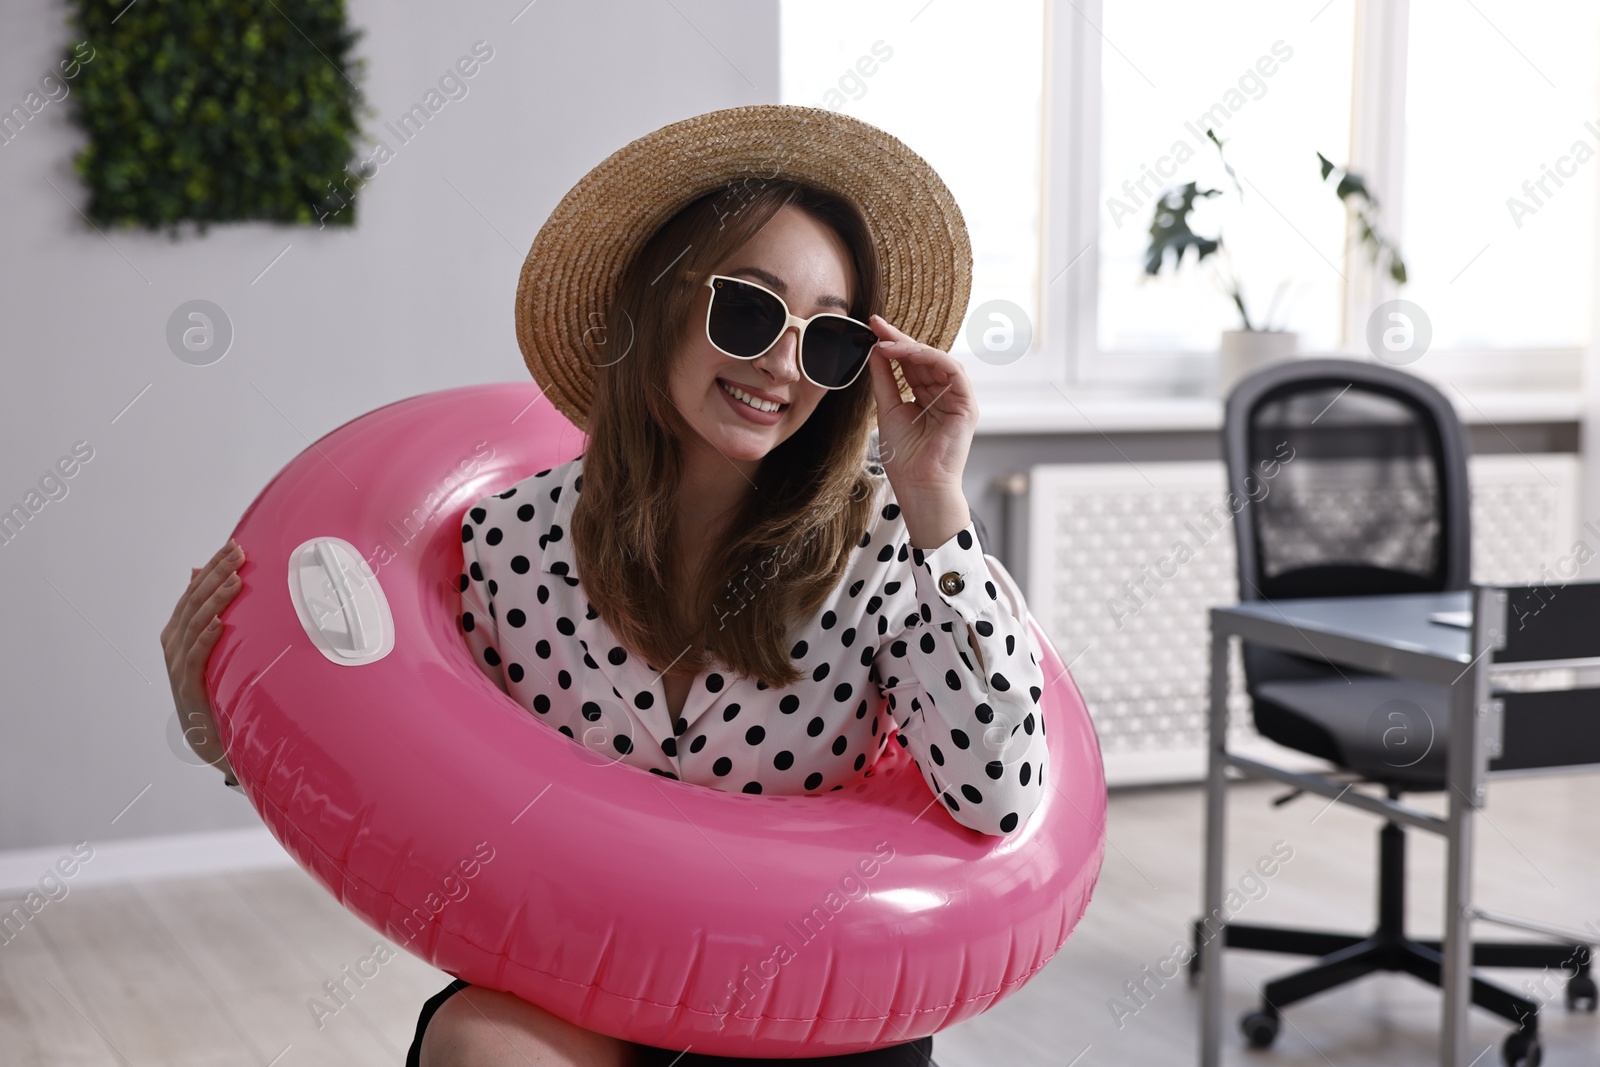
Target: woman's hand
[[924, 442], [187, 640]]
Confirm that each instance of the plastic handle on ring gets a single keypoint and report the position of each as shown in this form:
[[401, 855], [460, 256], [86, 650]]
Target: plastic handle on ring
[[322, 564], [352, 615]]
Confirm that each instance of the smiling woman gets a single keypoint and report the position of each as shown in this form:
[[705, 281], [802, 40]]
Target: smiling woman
[[878, 694], [732, 431]]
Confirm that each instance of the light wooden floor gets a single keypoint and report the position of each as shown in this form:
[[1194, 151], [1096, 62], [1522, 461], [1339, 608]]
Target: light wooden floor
[[219, 970]]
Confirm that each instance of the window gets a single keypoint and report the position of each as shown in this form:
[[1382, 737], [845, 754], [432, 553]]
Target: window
[[963, 87], [1477, 128], [1276, 92], [1500, 171]]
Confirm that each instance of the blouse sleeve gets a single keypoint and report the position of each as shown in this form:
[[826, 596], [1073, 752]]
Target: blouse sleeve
[[970, 712], [478, 622]]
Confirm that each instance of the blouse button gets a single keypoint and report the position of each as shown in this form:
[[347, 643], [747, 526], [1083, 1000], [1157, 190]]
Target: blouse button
[[950, 583]]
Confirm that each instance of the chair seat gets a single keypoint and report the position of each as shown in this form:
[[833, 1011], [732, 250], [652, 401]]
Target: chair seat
[[1391, 730]]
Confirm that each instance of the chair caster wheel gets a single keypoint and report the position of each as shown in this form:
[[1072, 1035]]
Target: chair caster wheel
[[1260, 1028], [1580, 993], [1521, 1050]]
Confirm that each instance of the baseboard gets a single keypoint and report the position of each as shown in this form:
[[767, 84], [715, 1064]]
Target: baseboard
[[142, 858]]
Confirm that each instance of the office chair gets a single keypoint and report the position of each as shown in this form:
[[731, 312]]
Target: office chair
[[1355, 475]]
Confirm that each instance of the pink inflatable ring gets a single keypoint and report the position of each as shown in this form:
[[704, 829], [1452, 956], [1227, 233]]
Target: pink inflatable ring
[[504, 853]]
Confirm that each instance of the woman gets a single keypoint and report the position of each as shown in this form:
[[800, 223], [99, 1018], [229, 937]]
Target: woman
[[727, 522]]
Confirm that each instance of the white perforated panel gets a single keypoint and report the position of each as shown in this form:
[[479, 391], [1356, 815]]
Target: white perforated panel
[[1524, 516], [1124, 560]]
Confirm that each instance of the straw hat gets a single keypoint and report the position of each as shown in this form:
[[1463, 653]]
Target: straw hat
[[569, 276]]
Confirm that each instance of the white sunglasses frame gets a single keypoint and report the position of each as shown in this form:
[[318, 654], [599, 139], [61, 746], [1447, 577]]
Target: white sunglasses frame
[[791, 320]]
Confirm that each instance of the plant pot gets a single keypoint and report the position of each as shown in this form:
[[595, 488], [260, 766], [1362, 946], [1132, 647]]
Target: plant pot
[[1243, 351]]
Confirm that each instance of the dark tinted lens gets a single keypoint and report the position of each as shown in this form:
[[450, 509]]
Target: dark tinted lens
[[744, 320], [835, 349]]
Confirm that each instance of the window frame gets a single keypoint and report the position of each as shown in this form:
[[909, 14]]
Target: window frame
[[1067, 355]]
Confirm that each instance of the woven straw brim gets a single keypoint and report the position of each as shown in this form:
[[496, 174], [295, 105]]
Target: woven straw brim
[[569, 277]]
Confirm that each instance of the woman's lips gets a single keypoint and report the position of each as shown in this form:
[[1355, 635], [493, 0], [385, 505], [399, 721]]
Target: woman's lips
[[756, 415]]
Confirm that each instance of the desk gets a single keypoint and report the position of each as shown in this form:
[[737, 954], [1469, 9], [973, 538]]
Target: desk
[[1390, 635]]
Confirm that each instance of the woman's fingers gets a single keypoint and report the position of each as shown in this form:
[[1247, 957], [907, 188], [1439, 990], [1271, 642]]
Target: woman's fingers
[[176, 623], [885, 390], [222, 592], [190, 689], [935, 377], [211, 610], [187, 641], [216, 572], [923, 365], [197, 575], [194, 663], [198, 603], [887, 330]]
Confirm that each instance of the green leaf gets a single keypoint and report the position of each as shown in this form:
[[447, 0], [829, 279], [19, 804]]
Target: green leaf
[[1351, 185], [1170, 232]]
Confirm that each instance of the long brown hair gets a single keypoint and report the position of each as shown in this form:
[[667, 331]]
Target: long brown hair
[[787, 547]]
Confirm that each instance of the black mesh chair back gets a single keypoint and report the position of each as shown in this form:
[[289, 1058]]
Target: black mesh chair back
[[1350, 479]]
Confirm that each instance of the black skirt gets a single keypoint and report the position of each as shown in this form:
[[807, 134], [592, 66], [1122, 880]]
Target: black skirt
[[918, 1053]]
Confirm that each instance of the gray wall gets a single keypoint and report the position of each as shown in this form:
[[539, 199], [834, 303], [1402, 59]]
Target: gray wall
[[417, 297]]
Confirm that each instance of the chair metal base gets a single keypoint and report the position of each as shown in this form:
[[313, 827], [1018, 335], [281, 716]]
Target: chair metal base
[[1345, 957]]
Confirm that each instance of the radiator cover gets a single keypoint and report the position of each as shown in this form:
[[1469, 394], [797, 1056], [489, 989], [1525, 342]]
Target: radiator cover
[[1125, 559]]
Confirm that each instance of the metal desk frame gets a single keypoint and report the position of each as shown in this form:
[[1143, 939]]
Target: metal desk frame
[[1474, 737]]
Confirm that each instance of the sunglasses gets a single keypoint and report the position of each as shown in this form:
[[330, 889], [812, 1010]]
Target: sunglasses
[[745, 320]]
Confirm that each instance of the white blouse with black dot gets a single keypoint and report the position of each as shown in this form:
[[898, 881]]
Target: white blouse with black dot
[[930, 629]]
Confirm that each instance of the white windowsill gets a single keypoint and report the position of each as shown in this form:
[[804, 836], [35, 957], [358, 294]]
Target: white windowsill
[[1083, 411]]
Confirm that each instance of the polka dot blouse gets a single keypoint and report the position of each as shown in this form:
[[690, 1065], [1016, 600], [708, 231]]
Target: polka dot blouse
[[923, 645]]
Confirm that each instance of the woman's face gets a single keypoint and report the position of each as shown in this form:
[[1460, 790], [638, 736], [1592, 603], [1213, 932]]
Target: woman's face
[[808, 264]]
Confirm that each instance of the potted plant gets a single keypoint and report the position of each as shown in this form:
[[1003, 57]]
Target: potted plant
[[1255, 343]]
